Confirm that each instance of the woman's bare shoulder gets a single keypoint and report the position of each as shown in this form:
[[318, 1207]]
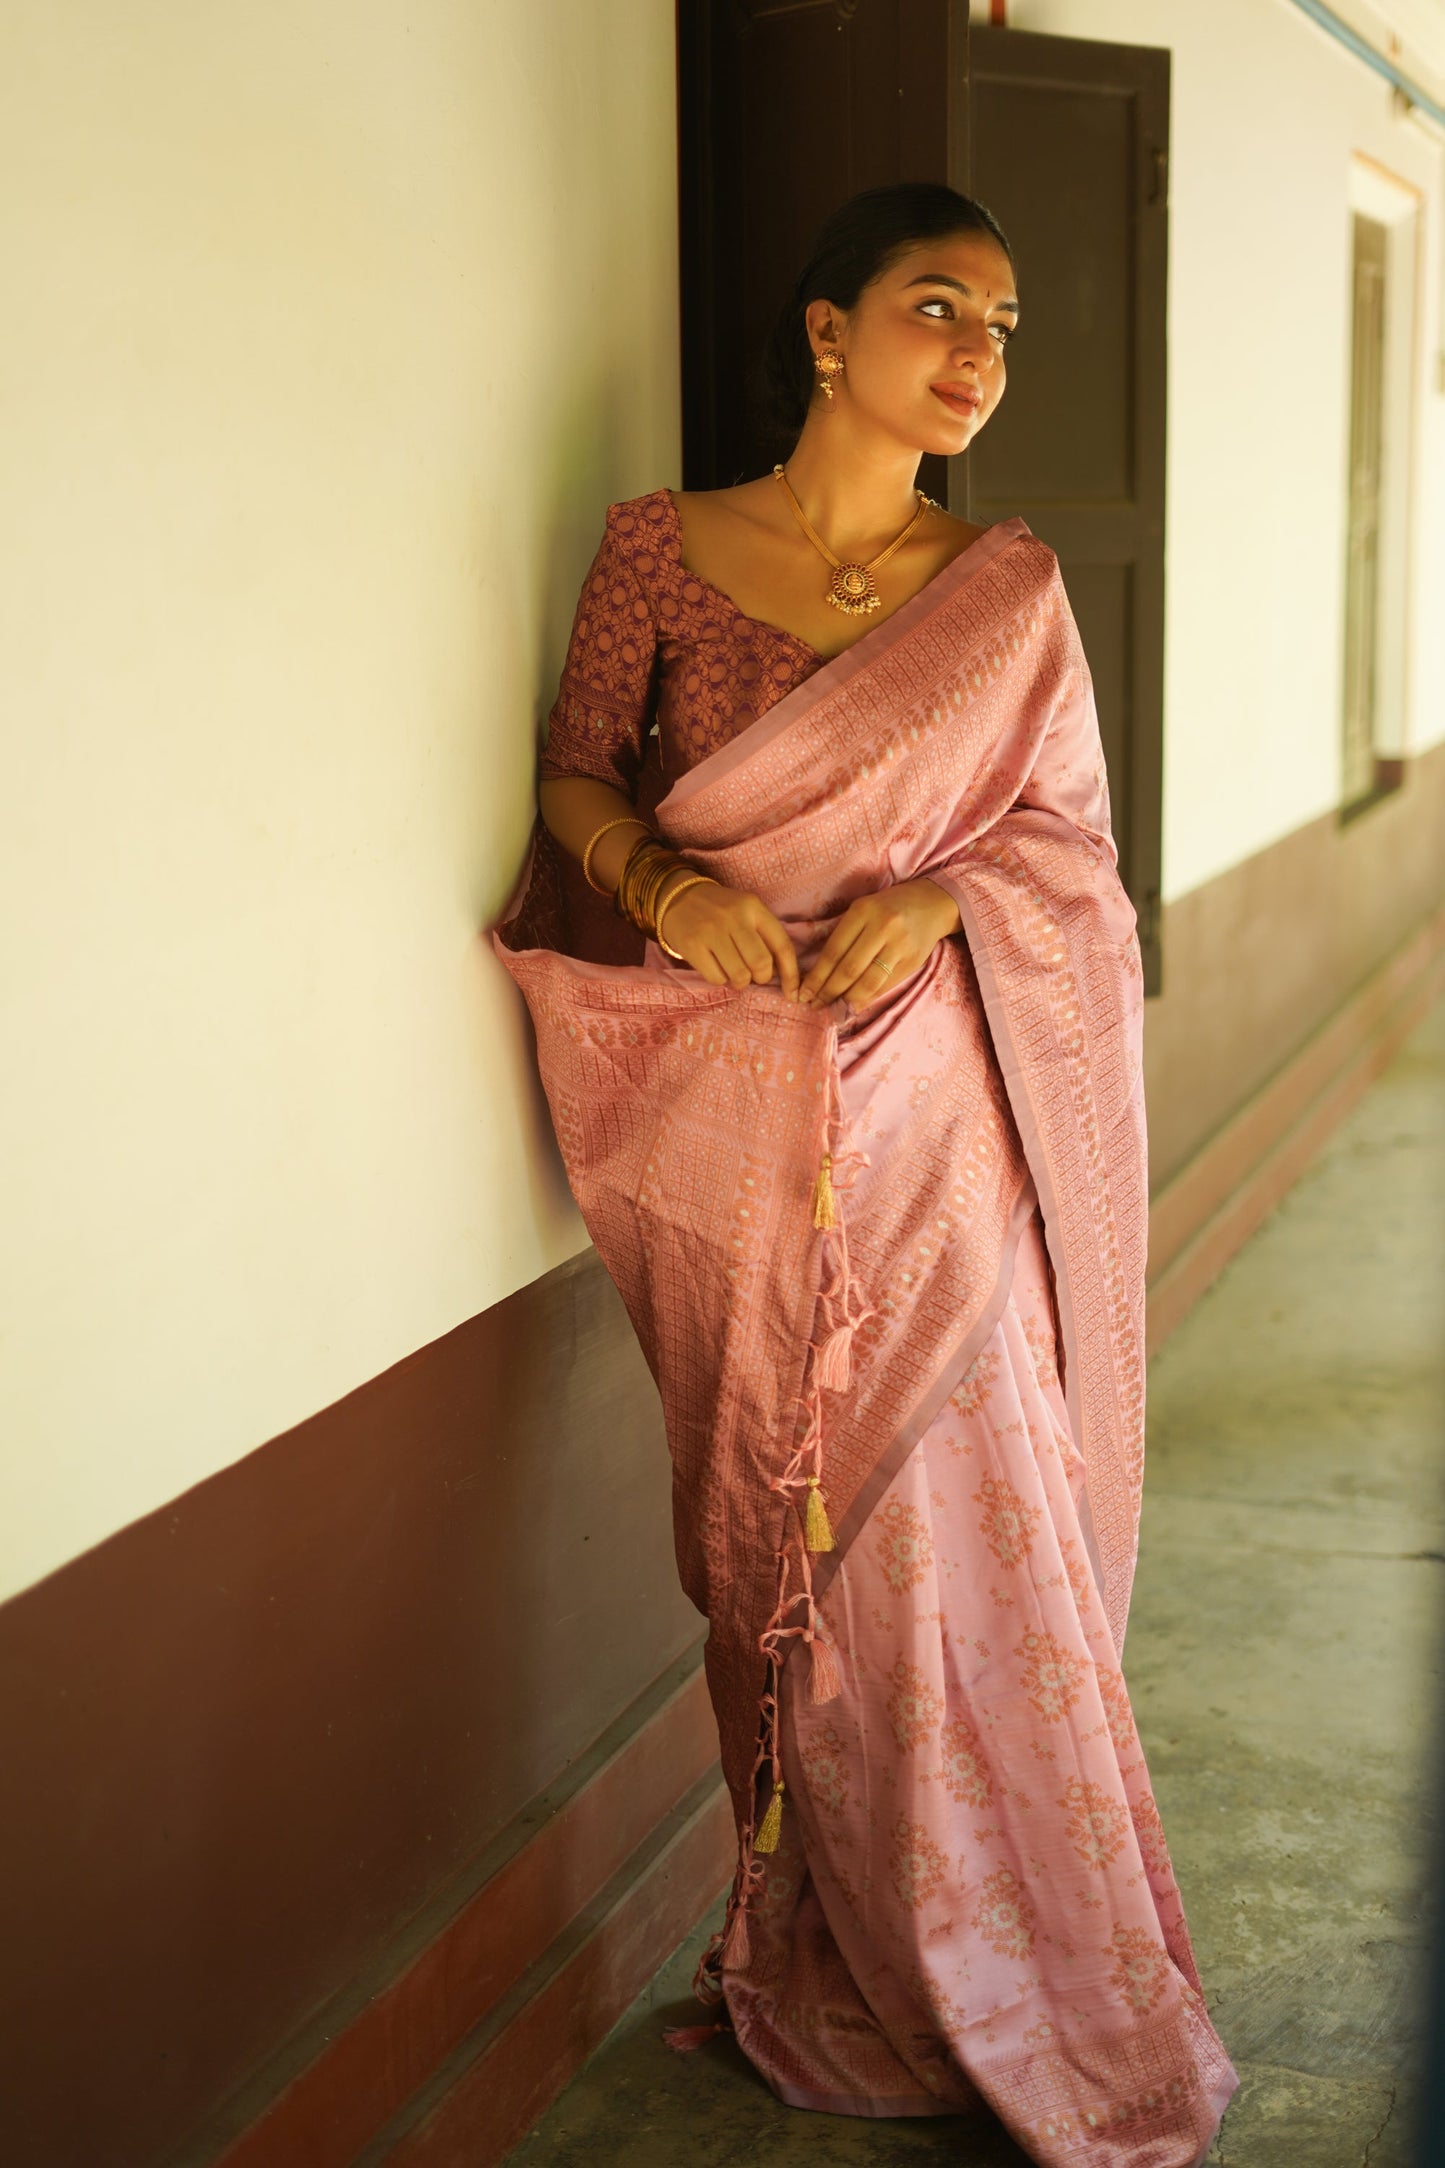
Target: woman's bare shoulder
[[960, 532], [724, 518], [744, 500]]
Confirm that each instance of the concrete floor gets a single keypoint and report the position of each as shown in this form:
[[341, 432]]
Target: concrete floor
[[1283, 1656]]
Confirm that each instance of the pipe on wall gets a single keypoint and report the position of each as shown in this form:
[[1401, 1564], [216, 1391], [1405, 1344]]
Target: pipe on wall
[[1418, 100]]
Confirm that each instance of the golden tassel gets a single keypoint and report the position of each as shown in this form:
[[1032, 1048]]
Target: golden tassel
[[817, 1529], [824, 1208], [767, 1837]]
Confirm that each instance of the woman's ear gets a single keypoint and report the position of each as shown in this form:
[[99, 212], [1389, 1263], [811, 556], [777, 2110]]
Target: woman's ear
[[824, 324]]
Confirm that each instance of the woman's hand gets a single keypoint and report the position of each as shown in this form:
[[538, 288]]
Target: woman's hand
[[730, 937], [878, 942]]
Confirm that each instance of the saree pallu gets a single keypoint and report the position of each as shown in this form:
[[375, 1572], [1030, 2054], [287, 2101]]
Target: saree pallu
[[887, 1271]]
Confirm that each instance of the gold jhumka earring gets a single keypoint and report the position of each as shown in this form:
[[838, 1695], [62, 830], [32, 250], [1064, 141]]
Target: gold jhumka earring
[[828, 364]]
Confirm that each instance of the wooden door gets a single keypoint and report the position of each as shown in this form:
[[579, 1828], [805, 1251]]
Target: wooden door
[[1068, 145], [785, 109]]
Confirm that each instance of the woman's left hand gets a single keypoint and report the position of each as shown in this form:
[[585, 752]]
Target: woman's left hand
[[879, 941]]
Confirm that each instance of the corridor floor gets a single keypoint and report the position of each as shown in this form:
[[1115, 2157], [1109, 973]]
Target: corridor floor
[[1283, 1657]]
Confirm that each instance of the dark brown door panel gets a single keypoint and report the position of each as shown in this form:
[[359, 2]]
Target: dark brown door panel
[[1068, 145], [786, 107]]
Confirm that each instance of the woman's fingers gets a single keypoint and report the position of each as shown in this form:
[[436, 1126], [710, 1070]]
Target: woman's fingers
[[764, 944], [738, 951], [871, 982], [781, 951], [731, 938], [741, 956], [878, 941], [859, 974], [705, 964], [820, 970], [753, 947], [853, 950]]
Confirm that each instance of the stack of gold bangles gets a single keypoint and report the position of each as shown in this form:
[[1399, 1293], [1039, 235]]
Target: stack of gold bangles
[[649, 868]]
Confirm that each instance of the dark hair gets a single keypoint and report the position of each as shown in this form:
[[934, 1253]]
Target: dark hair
[[860, 240]]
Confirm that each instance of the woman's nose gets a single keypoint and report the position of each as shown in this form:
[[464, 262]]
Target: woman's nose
[[972, 343]]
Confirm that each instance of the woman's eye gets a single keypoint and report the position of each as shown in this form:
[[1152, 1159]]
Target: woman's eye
[[927, 308]]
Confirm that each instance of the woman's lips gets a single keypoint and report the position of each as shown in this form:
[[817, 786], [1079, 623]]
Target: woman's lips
[[957, 397]]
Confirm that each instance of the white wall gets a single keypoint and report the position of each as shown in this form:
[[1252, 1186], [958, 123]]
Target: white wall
[[1266, 111], [330, 328]]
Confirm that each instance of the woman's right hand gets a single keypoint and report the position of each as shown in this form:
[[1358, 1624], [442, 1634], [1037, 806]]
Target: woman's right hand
[[729, 937]]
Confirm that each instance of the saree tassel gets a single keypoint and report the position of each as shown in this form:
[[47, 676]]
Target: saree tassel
[[817, 1528], [825, 1204], [736, 1949], [824, 1683], [767, 1837], [684, 2038], [834, 1367]]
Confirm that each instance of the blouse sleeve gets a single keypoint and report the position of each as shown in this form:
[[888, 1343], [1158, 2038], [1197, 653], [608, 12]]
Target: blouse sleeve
[[603, 713]]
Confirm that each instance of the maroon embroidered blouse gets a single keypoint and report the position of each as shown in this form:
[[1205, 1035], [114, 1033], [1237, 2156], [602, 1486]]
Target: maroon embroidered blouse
[[654, 645]]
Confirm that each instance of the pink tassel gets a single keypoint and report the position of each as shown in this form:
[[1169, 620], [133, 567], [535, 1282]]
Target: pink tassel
[[686, 2037], [736, 1948], [834, 1368], [823, 1679]]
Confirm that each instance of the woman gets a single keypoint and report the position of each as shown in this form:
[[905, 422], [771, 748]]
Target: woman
[[838, 1009]]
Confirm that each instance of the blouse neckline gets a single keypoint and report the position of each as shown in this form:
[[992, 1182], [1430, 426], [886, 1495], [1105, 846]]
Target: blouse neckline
[[780, 632], [718, 594]]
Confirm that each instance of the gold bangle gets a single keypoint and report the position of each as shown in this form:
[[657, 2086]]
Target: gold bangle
[[650, 863], [643, 853], [658, 874], [622, 821], [665, 906]]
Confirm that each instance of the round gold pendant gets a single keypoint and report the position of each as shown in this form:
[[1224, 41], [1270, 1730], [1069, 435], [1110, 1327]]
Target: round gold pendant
[[851, 590]]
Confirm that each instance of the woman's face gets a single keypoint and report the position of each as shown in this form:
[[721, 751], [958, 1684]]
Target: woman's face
[[924, 342]]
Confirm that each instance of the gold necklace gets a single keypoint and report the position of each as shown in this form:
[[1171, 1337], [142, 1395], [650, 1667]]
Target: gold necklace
[[852, 588]]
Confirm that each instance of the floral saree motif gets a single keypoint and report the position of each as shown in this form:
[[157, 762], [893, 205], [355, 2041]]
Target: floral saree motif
[[887, 1270]]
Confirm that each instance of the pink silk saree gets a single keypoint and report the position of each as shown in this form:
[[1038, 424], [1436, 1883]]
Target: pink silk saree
[[892, 1265]]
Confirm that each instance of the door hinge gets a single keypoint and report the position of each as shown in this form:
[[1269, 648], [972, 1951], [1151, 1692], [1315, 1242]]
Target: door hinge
[[1159, 175], [1148, 913]]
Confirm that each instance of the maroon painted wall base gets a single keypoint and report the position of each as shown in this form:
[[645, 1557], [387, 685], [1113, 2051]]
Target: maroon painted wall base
[[454, 2058]]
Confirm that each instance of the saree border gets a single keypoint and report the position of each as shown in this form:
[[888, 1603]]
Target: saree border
[[1115, 1579]]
